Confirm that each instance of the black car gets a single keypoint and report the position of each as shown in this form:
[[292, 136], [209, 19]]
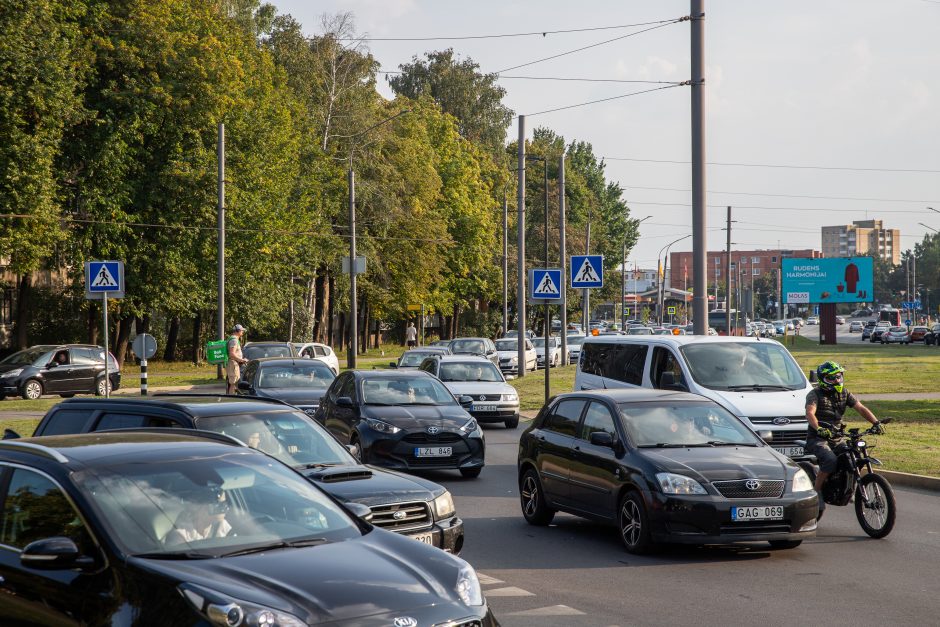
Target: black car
[[413, 358], [932, 337], [877, 332], [480, 346], [406, 420], [299, 382], [177, 528], [664, 467], [412, 506], [64, 369], [867, 330], [260, 350]]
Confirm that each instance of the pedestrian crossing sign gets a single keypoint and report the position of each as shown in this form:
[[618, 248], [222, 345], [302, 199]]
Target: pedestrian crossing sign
[[104, 277], [587, 271], [545, 283]]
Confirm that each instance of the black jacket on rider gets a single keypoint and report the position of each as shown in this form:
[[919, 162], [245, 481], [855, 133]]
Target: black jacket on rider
[[830, 405]]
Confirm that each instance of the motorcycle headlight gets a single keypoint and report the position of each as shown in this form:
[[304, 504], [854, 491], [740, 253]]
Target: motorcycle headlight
[[468, 586], [12, 373], [444, 506], [510, 397], [861, 444], [225, 611], [671, 483], [801, 482], [381, 427], [469, 427]]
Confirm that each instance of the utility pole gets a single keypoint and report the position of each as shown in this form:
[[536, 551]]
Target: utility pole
[[623, 286], [728, 278], [564, 274], [353, 304], [586, 293], [221, 243], [505, 264], [699, 244], [548, 308], [520, 249]]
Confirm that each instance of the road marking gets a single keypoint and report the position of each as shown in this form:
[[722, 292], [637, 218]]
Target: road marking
[[551, 610], [509, 591], [486, 580]]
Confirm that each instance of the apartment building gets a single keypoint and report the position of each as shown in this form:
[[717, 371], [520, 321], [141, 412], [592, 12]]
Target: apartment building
[[862, 237]]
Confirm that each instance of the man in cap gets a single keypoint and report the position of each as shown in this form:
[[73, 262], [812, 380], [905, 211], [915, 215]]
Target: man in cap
[[235, 358]]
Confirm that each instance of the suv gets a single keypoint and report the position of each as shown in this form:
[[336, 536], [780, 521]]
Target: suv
[[494, 400], [64, 369], [411, 506]]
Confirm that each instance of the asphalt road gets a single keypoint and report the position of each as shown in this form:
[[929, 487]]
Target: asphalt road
[[575, 572]]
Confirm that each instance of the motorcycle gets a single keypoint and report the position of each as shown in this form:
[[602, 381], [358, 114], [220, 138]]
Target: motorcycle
[[874, 499]]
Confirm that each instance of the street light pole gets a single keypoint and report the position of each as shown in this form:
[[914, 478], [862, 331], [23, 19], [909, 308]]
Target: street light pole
[[662, 287], [623, 280], [547, 330]]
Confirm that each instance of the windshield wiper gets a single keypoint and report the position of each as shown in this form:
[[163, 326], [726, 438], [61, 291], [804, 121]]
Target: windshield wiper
[[758, 387], [670, 445], [284, 544], [320, 465], [720, 443], [175, 555]]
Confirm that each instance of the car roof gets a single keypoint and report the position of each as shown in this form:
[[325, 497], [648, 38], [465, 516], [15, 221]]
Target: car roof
[[636, 395], [464, 358], [196, 405], [389, 374], [675, 339], [294, 361], [274, 342]]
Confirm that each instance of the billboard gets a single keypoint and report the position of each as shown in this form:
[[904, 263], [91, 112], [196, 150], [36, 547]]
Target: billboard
[[836, 280]]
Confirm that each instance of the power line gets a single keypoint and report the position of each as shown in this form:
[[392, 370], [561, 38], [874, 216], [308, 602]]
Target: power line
[[600, 43], [590, 102], [561, 78], [715, 191], [777, 165], [676, 204], [543, 33]]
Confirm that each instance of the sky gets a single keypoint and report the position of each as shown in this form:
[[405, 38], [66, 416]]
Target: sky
[[848, 91]]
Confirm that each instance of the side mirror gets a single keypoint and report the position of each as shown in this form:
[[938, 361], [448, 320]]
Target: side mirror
[[766, 436], [10, 434], [57, 553], [464, 400], [602, 438], [344, 401], [392, 364], [52, 364], [360, 511], [667, 381], [812, 376], [244, 386]]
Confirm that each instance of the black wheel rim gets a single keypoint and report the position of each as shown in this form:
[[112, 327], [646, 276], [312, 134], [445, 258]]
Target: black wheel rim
[[631, 526], [874, 505], [530, 496]]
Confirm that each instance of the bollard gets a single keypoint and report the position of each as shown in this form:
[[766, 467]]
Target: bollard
[[143, 377]]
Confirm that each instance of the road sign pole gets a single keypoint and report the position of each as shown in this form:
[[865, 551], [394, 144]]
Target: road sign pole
[[107, 355], [143, 377]]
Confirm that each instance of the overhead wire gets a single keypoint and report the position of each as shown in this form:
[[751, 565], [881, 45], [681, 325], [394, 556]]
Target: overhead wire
[[678, 204], [543, 33], [566, 78], [590, 102], [715, 191], [779, 165]]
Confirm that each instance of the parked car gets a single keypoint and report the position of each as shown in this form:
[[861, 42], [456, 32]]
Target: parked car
[[511, 333], [932, 337], [482, 346], [293, 438], [554, 351], [405, 420], [508, 351], [494, 400], [574, 347], [297, 382], [868, 329], [864, 312], [260, 350], [108, 528], [319, 351], [411, 359], [441, 343], [896, 335], [918, 334], [856, 326], [665, 467], [63, 369]]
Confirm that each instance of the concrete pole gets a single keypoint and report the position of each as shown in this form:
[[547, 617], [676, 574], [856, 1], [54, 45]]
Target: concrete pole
[[699, 244], [548, 308], [586, 293], [220, 325], [563, 264], [520, 249], [353, 304], [505, 265], [728, 277], [623, 287]]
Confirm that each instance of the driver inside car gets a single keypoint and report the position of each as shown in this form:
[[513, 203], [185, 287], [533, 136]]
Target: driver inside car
[[203, 517]]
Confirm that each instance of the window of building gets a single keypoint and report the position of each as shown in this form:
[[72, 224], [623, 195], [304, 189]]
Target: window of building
[[773, 260]]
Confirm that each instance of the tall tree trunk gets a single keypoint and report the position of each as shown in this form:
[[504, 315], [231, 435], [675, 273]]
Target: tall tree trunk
[[94, 320], [319, 294], [24, 312], [331, 320], [364, 344], [197, 333], [341, 332], [143, 324], [172, 336], [456, 321], [123, 339]]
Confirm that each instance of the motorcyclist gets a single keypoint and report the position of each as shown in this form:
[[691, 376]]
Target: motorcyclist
[[827, 403]]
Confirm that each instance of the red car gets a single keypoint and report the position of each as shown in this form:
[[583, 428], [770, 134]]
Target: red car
[[918, 334]]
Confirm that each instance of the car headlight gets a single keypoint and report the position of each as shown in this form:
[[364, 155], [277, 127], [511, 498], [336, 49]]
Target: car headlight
[[671, 483], [801, 482], [444, 506], [514, 360], [225, 611], [468, 586], [381, 427], [510, 397], [12, 373], [469, 427]]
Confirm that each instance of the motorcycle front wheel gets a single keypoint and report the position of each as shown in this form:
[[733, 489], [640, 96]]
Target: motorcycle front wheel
[[874, 505]]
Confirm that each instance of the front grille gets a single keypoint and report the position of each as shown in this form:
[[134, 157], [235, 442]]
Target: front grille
[[786, 438], [738, 490], [486, 397], [431, 462], [414, 516], [769, 420], [427, 438], [757, 526]]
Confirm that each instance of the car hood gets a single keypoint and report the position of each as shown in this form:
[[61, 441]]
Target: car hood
[[294, 396], [769, 404], [411, 417], [372, 486], [378, 573], [721, 463], [9, 367], [505, 354], [472, 388]]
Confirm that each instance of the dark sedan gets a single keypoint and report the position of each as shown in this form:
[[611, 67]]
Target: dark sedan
[[66, 370], [298, 382], [664, 467], [877, 333], [413, 358], [405, 420], [164, 528]]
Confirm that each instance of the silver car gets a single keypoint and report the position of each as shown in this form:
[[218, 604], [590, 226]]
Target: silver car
[[494, 400]]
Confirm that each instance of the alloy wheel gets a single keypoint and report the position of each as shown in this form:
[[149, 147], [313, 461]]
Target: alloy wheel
[[530, 496], [631, 525], [32, 390]]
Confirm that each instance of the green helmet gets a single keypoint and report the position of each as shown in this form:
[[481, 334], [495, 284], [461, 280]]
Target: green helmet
[[829, 376]]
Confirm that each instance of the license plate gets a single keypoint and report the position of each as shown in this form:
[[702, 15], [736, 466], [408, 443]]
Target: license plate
[[481, 407], [427, 538], [790, 451], [762, 512], [434, 451]]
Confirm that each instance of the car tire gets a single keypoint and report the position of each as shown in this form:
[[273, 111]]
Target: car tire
[[785, 544], [532, 499], [471, 473], [102, 386], [633, 524], [512, 423], [32, 390]]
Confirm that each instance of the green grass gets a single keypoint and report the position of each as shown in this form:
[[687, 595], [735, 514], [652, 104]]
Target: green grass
[[531, 387]]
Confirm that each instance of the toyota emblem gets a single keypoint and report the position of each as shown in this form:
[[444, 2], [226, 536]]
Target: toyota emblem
[[752, 484], [399, 515], [782, 420], [434, 430], [405, 621]]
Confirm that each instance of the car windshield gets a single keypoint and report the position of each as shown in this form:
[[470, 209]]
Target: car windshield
[[405, 391], [575, 341], [507, 345], [413, 359], [38, 355], [469, 371], [259, 351], [472, 347], [213, 506], [312, 375], [683, 424], [750, 366]]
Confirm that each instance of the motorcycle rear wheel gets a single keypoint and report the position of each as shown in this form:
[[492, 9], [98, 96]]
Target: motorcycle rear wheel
[[876, 514]]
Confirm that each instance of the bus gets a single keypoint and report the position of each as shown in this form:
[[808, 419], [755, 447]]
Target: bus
[[892, 316], [718, 320]]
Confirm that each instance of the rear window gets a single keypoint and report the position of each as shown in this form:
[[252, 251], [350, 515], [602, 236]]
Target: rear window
[[65, 421], [621, 362]]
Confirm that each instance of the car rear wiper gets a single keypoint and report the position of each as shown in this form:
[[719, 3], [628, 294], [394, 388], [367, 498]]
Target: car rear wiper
[[757, 387], [276, 545]]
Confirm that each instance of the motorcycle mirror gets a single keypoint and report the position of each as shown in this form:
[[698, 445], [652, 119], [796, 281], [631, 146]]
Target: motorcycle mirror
[[766, 436], [812, 376]]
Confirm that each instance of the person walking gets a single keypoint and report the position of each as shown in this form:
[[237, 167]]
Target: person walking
[[235, 358], [411, 335]]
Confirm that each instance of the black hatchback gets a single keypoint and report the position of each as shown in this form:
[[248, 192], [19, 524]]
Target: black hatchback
[[64, 369], [664, 467], [162, 528], [403, 419]]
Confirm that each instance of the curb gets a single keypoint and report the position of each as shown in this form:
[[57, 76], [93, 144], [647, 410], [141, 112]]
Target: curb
[[909, 480]]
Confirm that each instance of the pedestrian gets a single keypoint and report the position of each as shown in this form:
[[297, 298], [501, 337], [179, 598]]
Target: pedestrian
[[235, 359], [411, 335]]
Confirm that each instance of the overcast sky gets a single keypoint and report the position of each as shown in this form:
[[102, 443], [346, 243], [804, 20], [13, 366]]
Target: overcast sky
[[836, 84]]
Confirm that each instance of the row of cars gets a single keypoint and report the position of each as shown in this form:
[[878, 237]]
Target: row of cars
[[885, 333]]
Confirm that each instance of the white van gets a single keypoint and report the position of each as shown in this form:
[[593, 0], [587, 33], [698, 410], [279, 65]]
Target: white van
[[756, 379]]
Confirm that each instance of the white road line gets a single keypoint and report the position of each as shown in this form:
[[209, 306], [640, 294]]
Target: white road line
[[509, 591], [486, 580], [551, 610]]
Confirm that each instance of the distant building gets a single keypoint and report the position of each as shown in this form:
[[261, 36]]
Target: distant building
[[748, 262], [862, 237]]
